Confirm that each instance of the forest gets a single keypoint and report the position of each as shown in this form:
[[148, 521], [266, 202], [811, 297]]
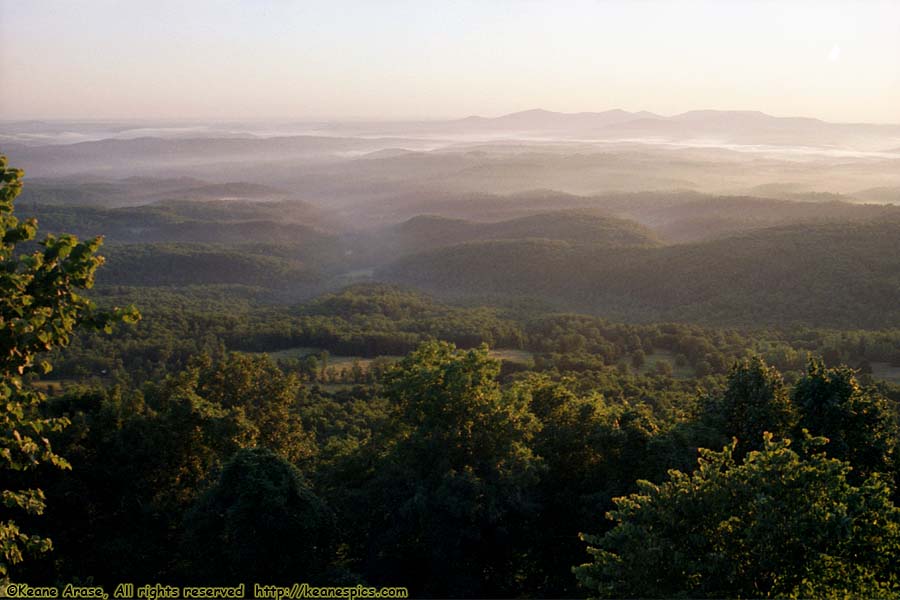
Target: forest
[[484, 370], [480, 299], [565, 403]]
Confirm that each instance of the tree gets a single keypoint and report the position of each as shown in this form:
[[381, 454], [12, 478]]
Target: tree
[[260, 522], [40, 308], [268, 397], [857, 422], [638, 359], [755, 401], [455, 484], [143, 458], [593, 451], [780, 524]]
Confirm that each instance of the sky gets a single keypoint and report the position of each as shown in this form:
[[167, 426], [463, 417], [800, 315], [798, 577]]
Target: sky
[[421, 59]]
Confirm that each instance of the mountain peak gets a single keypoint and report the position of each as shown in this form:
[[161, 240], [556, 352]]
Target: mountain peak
[[540, 118]]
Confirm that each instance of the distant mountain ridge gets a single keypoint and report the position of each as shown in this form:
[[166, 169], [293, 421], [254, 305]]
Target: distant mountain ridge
[[734, 126], [540, 118], [538, 115]]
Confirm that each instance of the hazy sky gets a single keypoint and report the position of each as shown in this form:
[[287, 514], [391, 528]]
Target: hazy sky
[[391, 59]]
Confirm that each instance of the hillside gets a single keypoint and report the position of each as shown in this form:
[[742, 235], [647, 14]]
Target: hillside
[[150, 153], [102, 193], [710, 217], [428, 231], [880, 194], [149, 265], [573, 226], [189, 221], [828, 275], [678, 216], [136, 191]]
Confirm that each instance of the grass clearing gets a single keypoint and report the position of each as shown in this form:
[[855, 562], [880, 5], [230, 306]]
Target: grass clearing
[[665, 356], [886, 371], [510, 355], [521, 357], [52, 386], [334, 360]]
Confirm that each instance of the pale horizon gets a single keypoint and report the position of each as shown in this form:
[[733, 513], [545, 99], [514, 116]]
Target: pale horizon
[[222, 61], [424, 119]]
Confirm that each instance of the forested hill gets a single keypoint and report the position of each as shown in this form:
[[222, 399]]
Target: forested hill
[[673, 216], [708, 217], [828, 274], [427, 232], [206, 264], [135, 191], [831, 264], [573, 226], [188, 221]]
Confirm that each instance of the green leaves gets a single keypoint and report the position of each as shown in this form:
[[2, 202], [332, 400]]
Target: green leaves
[[857, 422], [30, 501], [260, 521], [39, 310], [780, 524], [454, 485]]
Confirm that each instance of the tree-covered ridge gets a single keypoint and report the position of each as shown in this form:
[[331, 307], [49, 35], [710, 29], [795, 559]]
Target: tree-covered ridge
[[428, 231], [376, 435], [595, 254], [828, 275], [152, 265], [221, 221]]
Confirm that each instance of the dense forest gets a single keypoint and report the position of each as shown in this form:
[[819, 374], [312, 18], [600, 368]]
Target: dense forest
[[479, 299], [611, 396]]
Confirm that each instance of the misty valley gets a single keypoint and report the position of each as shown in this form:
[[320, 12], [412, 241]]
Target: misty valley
[[609, 354]]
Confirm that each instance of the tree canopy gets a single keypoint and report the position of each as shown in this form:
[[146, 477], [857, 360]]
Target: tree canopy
[[784, 523], [40, 307]]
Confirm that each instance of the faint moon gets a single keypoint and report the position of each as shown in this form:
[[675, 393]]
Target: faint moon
[[835, 53]]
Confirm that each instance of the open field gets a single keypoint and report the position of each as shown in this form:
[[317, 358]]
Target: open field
[[665, 356], [52, 386], [522, 357], [885, 371]]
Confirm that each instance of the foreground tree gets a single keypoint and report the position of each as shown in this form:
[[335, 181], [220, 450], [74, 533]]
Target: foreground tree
[[780, 524], [453, 491], [858, 423], [267, 396], [593, 451], [143, 459], [755, 401], [260, 522], [40, 307]]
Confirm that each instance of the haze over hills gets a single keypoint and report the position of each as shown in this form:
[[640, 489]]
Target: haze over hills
[[353, 167], [646, 256], [698, 126], [427, 232], [605, 212]]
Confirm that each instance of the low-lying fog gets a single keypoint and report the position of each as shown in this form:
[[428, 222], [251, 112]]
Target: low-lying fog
[[356, 168]]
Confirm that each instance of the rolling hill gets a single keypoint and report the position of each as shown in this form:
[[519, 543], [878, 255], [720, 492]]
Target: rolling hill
[[148, 154], [427, 231], [842, 275], [884, 194], [707, 217], [150, 265], [189, 221]]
